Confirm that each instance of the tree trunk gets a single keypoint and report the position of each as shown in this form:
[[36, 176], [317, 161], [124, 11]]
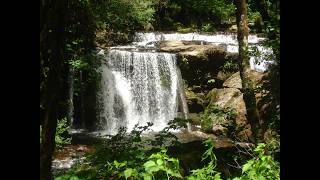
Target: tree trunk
[[52, 46], [247, 84], [82, 101]]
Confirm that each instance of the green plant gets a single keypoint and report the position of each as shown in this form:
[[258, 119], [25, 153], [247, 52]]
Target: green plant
[[262, 166], [208, 28], [165, 137], [67, 177], [207, 172], [230, 66], [157, 166], [222, 9], [211, 81], [60, 139], [214, 114]]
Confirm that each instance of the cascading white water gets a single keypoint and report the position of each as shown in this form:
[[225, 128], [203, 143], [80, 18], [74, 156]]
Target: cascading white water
[[230, 40], [138, 87]]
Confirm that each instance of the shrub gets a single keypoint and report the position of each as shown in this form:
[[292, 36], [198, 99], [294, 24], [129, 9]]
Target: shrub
[[207, 172], [62, 127], [61, 132], [214, 114], [262, 166]]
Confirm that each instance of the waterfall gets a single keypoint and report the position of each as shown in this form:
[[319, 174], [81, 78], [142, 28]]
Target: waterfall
[[138, 87], [230, 40]]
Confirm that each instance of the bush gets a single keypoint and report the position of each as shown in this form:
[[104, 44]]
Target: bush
[[117, 20], [60, 138], [230, 66], [61, 133], [262, 166], [207, 172], [214, 114]]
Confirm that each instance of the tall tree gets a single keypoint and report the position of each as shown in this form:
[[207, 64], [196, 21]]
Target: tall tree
[[247, 84], [51, 54]]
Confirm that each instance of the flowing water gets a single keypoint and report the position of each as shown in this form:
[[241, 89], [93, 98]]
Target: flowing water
[[138, 87], [257, 63]]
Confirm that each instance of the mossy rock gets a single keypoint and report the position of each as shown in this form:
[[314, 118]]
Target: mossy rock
[[196, 101]]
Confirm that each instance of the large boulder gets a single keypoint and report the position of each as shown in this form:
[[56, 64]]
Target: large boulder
[[234, 81], [232, 98]]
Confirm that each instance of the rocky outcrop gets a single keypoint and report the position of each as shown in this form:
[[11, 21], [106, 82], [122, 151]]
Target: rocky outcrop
[[232, 98], [195, 101], [191, 48], [201, 66], [234, 81], [222, 76], [198, 61]]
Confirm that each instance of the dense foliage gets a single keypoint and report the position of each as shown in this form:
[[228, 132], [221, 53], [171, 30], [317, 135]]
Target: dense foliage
[[137, 161], [61, 137], [261, 166], [214, 115], [118, 20]]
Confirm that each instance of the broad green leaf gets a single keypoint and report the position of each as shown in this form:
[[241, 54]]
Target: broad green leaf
[[247, 166], [153, 169], [159, 162], [149, 164], [128, 172], [191, 178], [146, 176], [217, 177]]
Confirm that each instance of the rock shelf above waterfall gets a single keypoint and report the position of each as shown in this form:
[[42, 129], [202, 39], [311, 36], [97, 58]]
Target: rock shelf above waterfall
[[191, 48]]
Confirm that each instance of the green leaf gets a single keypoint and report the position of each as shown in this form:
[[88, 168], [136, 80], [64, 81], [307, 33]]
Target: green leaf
[[191, 178], [149, 164], [247, 166], [146, 176], [217, 177], [128, 172], [74, 178], [159, 162], [211, 81]]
